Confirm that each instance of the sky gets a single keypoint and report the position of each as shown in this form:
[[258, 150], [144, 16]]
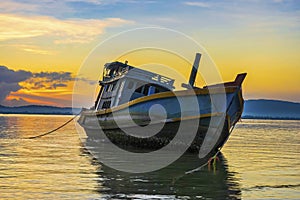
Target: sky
[[45, 43]]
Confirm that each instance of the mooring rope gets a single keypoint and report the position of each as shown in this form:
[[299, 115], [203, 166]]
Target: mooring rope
[[49, 132]]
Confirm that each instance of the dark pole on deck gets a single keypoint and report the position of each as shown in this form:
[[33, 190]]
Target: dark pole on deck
[[194, 69]]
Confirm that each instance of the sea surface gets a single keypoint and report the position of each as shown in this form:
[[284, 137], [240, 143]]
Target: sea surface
[[260, 161]]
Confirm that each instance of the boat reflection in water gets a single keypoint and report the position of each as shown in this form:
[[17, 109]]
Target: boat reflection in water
[[176, 181]]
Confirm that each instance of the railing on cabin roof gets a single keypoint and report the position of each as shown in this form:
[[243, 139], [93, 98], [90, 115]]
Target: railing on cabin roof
[[152, 76], [141, 74]]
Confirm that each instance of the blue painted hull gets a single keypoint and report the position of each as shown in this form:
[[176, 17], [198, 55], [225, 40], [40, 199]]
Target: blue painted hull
[[116, 123]]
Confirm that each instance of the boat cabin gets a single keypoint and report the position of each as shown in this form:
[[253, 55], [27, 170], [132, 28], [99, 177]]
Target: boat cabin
[[122, 83]]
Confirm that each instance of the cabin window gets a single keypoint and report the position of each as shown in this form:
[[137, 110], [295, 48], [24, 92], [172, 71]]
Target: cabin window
[[113, 86], [111, 72], [143, 90], [146, 89], [109, 88], [106, 72], [106, 104], [106, 88], [130, 85], [151, 90], [139, 90]]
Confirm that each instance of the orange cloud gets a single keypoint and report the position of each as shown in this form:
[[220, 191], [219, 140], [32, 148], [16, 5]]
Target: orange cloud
[[47, 88]]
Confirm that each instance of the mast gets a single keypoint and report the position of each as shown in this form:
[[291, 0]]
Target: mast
[[194, 69], [193, 72]]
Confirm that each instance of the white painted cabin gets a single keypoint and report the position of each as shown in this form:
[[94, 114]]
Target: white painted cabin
[[122, 83]]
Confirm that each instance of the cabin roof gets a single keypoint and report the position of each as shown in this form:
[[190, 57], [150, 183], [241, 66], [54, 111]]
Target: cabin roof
[[120, 70], [116, 65]]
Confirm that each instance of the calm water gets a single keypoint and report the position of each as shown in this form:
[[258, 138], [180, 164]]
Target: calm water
[[260, 161]]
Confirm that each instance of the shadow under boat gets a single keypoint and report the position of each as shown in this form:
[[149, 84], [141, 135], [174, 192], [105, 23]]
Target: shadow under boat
[[179, 180]]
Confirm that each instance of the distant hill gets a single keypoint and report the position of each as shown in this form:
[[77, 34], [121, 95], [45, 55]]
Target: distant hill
[[260, 108], [38, 109], [271, 109]]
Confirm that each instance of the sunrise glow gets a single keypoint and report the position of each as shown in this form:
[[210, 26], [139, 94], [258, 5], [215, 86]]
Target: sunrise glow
[[43, 44]]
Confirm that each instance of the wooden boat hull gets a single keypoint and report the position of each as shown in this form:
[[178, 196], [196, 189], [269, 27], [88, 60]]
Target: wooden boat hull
[[161, 139], [199, 125]]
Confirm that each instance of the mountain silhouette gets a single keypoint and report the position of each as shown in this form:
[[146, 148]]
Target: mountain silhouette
[[263, 108], [39, 109]]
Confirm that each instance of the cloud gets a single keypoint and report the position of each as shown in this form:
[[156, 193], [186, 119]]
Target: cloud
[[96, 2], [9, 81], [56, 85], [86, 80], [48, 80], [62, 8], [35, 50], [15, 102], [7, 88], [54, 76], [11, 76], [57, 78], [167, 20], [55, 99], [15, 81], [54, 80], [62, 31], [31, 49], [197, 4], [12, 6], [109, 2]]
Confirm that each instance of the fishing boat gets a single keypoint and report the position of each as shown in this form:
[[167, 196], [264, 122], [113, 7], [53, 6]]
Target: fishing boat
[[136, 108]]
